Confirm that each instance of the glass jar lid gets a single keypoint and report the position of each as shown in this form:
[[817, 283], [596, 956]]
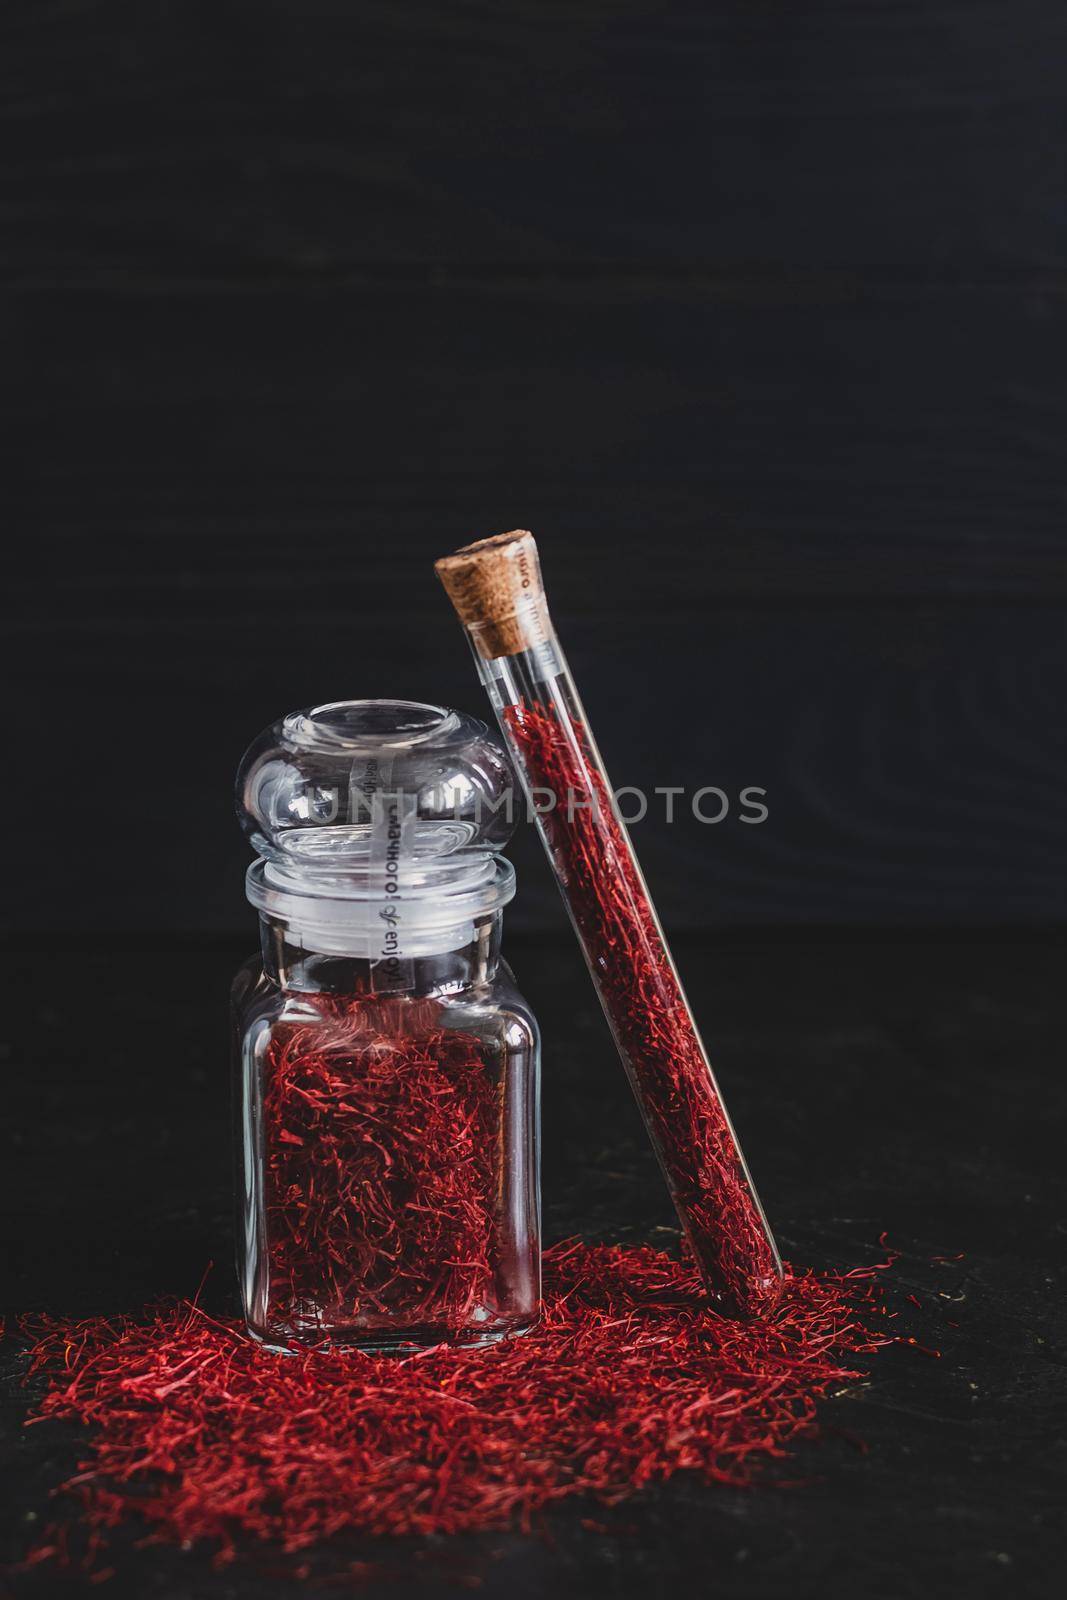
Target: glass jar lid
[[310, 788]]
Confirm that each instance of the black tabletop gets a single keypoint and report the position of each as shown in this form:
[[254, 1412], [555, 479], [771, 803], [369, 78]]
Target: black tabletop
[[905, 1083]]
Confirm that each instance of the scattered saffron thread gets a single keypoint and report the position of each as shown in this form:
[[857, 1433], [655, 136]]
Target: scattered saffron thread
[[630, 1377], [647, 1011], [381, 1130]]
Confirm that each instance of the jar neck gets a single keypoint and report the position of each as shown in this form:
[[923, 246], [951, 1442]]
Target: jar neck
[[293, 967]]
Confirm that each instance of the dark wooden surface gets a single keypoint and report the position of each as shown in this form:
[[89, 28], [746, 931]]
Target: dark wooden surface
[[754, 312], [910, 1083]]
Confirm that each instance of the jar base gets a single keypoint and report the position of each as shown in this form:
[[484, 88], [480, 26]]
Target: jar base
[[376, 1341]]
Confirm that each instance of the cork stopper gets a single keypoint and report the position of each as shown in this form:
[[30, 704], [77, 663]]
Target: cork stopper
[[495, 586]]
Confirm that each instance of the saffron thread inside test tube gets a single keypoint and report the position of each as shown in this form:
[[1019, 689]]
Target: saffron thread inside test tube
[[496, 588]]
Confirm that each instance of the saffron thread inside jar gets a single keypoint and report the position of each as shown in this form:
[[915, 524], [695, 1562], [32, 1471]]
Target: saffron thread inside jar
[[380, 1127]]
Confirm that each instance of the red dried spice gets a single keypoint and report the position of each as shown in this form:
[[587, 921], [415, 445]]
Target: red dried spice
[[380, 1128], [630, 1377], [647, 1012]]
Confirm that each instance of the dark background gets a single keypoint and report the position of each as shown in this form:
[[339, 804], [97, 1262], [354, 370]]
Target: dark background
[[755, 313]]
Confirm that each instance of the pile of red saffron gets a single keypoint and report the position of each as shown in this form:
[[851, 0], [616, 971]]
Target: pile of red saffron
[[380, 1132], [202, 1434], [646, 1008]]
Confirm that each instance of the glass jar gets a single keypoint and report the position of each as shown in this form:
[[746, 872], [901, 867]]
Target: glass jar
[[387, 1066]]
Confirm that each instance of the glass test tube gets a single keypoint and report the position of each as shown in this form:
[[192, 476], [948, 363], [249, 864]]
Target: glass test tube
[[496, 588]]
